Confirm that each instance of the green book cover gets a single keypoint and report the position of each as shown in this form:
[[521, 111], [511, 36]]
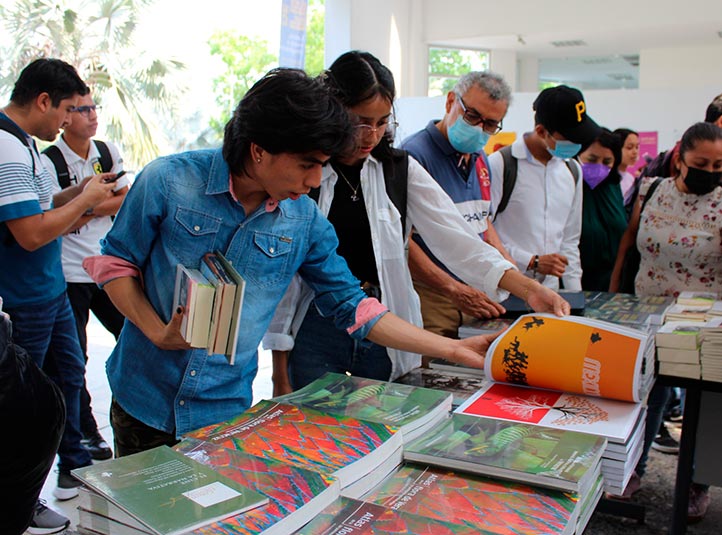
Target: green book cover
[[500, 507], [554, 458], [167, 491], [353, 517], [387, 403]]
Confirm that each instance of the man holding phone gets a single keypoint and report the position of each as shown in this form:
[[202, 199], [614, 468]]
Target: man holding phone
[[73, 160]]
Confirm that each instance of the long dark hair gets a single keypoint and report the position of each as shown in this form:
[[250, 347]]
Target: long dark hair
[[356, 77], [612, 141]]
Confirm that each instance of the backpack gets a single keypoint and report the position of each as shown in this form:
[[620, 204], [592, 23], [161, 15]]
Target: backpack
[[511, 166], [661, 165], [396, 178], [61, 166], [9, 126]]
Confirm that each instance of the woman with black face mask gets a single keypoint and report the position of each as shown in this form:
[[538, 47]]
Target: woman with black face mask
[[679, 234], [679, 237]]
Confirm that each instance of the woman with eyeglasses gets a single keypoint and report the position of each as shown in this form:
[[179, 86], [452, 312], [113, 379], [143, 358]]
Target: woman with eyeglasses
[[356, 195]]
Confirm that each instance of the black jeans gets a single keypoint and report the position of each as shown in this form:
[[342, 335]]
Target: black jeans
[[86, 297]]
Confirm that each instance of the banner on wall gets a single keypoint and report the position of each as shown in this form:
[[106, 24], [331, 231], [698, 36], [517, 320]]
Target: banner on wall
[[293, 34]]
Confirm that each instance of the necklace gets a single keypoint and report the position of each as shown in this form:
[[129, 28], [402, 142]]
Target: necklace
[[354, 191]]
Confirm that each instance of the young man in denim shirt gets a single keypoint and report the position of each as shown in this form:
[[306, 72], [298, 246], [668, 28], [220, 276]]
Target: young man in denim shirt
[[248, 201]]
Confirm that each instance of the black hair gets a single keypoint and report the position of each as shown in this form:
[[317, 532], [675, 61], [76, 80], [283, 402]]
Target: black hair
[[714, 110], [55, 77], [624, 133], [356, 77], [696, 133], [286, 111]]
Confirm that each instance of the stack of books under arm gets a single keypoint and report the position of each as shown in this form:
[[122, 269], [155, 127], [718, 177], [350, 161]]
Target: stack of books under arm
[[575, 374], [212, 300]]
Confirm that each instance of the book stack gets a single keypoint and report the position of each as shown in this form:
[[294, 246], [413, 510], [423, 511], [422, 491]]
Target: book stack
[[530, 454], [295, 495], [715, 311], [158, 492], [711, 350], [678, 349], [680, 312], [690, 298], [459, 385], [588, 376], [212, 299], [356, 452], [411, 410], [480, 503]]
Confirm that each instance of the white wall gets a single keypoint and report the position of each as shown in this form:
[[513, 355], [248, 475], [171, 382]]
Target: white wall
[[676, 68], [669, 112]]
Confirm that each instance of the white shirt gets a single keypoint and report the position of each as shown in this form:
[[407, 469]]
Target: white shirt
[[544, 214], [432, 213], [84, 241]]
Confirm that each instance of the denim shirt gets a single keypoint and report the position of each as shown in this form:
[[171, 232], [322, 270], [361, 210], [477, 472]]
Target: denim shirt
[[180, 208]]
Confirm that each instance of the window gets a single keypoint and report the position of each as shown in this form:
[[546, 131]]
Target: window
[[447, 65]]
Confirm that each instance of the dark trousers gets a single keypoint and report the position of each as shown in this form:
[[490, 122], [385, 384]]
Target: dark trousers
[[133, 436], [84, 298]]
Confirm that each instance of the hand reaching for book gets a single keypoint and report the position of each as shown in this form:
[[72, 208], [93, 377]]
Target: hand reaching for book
[[475, 302], [471, 351], [544, 299]]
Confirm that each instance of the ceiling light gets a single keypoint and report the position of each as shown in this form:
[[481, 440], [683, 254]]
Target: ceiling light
[[572, 42]]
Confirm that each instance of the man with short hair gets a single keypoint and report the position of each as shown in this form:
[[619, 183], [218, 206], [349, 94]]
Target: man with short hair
[[73, 159], [31, 281], [542, 221], [451, 150]]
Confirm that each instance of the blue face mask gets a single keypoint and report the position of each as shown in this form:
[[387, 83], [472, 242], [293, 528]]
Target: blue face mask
[[466, 138], [565, 149]]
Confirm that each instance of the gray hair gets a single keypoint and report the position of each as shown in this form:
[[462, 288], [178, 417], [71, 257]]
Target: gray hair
[[487, 81]]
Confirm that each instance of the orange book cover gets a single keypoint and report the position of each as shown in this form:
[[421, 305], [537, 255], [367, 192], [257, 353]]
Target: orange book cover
[[571, 354]]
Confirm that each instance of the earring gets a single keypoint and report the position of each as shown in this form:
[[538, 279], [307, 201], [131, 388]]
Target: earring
[[258, 160]]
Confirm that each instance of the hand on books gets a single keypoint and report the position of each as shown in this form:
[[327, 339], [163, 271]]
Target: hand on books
[[475, 302], [543, 299], [170, 337], [471, 351], [552, 264]]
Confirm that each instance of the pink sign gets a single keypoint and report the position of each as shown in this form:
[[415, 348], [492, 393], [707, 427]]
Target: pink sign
[[648, 149]]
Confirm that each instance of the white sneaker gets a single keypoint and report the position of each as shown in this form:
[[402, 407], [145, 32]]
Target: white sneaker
[[46, 521]]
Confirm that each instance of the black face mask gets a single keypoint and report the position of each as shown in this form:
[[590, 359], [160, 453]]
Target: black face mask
[[701, 182]]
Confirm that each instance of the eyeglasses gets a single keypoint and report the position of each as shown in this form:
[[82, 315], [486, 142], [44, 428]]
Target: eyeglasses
[[474, 118], [388, 127], [85, 110]]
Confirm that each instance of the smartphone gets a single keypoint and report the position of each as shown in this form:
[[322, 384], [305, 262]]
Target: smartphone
[[115, 179]]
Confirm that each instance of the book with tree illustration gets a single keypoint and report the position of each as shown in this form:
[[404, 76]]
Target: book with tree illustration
[[500, 507], [411, 409], [167, 492], [554, 458], [346, 516], [295, 494], [571, 354], [333, 444]]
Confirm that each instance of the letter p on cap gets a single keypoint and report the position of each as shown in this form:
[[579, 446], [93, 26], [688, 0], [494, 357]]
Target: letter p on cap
[[581, 108]]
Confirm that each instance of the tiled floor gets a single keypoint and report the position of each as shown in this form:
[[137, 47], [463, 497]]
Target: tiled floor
[[100, 344]]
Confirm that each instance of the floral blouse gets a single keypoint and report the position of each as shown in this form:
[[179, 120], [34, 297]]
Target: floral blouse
[[679, 240]]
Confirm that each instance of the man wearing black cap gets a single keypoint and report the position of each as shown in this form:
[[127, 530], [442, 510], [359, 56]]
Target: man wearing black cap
[[538, 217]]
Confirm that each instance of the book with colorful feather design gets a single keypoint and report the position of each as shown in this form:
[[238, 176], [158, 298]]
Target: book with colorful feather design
[[499, 507], [413, 410], [336, 445], [553, 458], [354, 517]]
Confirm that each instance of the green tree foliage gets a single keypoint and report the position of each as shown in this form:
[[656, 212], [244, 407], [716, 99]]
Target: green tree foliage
[[246, 60], [446, 65], [135, 88], [315, 38]]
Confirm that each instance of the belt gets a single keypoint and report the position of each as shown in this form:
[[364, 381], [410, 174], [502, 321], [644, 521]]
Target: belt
[[371, 290]]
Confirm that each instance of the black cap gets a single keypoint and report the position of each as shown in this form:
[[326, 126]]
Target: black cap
[[562, 109]]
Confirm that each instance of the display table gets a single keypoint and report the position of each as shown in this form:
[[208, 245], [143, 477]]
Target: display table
[[688, 442]]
